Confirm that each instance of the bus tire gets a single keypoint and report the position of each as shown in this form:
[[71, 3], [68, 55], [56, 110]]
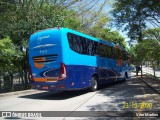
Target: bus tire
[[94, 85], [125, 76]]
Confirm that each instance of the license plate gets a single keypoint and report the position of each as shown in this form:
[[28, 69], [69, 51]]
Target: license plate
[[45, 87]]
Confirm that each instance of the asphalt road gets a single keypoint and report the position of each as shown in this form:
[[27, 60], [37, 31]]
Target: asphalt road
[[132, 95]]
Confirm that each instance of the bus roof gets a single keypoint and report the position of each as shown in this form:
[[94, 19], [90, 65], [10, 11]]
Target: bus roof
[[89, 37], [81, 34]]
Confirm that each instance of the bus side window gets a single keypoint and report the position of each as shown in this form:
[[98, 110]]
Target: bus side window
[[90, 47], [117, 53], [109, 52], [125, 56], [105, 48], [70, 38], [98, 50], [94, 48], [113, 51], [80, 48], [87, 46], [75, 46], [101, 51], [84, 45]]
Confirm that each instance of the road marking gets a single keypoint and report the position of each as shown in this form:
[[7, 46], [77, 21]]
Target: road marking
[[81, 104], [145, 97]]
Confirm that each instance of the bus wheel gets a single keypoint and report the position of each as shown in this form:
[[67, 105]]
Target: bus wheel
[[94, 86], [125, 77]]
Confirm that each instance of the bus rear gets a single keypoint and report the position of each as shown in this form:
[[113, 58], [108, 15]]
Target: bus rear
[[45, 60]]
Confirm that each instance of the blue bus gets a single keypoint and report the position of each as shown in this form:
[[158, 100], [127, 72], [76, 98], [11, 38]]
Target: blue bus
[[64, 59]]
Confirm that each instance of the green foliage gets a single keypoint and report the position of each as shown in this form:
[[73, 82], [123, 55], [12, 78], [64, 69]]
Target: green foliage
[[99, 30], [9, 55], [6, 48], [19, 19], [147, 50], [134, 14], [112, 36], [151, 34], [96, 29], [71, 20]]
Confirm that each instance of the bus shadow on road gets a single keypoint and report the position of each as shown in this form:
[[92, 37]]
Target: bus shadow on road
[[51, 95], [132, 95], [109, 85], [56, 95]]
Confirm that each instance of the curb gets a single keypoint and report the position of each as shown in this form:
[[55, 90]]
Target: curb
[[149, 86], [17, 93]]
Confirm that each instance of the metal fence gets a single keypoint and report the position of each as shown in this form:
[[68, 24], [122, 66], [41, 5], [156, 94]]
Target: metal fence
[[14, 82], [151, 72], [147, 71]]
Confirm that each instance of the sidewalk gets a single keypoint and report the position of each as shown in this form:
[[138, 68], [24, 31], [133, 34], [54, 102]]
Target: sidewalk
[[152, 83], [19, 92]]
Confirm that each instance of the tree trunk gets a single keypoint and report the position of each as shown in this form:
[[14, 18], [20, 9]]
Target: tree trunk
[[21, 74], [26, 78], [141, 71], [11, 80], [137, 70], [0, 84], [154, 72], [7, 83]]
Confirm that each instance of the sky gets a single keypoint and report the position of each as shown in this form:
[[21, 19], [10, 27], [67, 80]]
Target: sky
[[109, 8], [149, 24]]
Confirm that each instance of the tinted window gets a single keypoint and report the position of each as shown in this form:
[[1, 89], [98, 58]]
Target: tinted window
[[81, 45], [86, 46], [125, 55]]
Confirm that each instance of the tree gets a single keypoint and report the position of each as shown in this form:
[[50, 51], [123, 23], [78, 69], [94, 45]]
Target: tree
[[96, 29], [151, 34], [99, 30], [20, 18], [147, 50], [89, 13], [10, 56], [133, 15], [113, 36], [71, 20]]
